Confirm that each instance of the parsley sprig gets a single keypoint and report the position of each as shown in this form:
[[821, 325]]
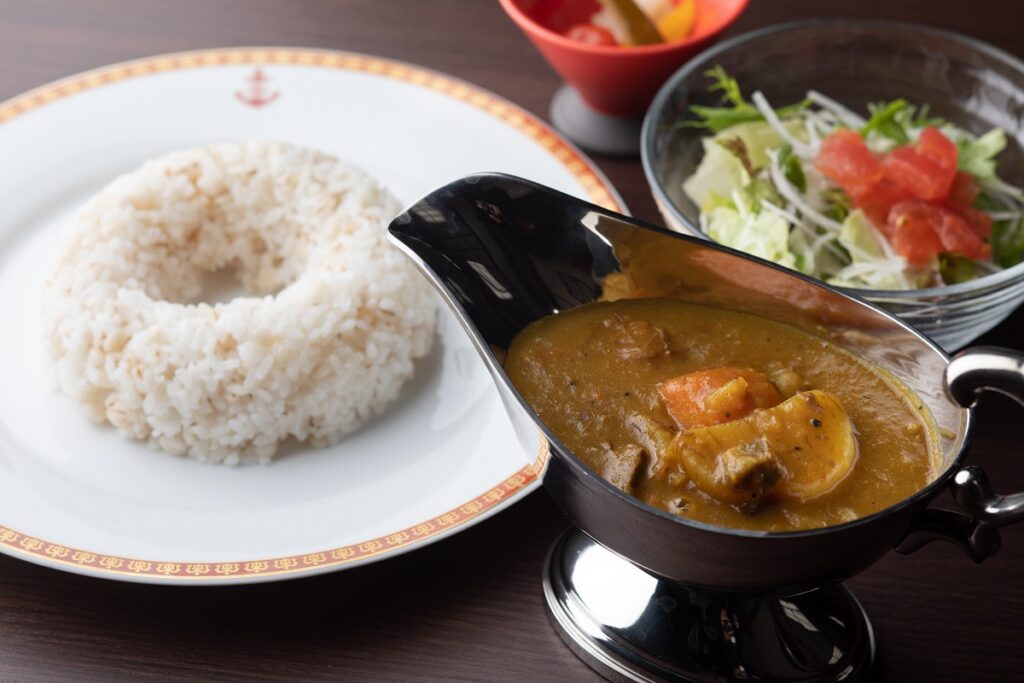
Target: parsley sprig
[[735, 107], [895, 119]]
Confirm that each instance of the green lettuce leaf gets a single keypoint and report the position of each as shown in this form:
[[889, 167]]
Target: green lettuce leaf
[[1007, 238], [885, 121], [977, 155], [896, 119], [1008, 242], [758, 190], [860, 238], [956, 268], [757, 138], [838, 204], [718, 174], [736, 109], [764, 234], [792, 169], [722, 170]]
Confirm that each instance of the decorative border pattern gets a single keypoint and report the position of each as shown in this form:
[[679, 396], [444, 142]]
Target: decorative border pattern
[[16, 543], [19, 544], [512, 114]]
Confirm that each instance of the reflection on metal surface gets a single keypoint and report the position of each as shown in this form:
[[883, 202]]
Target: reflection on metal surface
[[985, 368], [620, 590], [793, 613], [633, 626], [491, 281]]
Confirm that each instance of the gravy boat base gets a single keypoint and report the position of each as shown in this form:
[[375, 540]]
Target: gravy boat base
[[630, 625]]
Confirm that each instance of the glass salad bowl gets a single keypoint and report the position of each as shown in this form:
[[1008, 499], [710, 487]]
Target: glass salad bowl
[[970, 84]]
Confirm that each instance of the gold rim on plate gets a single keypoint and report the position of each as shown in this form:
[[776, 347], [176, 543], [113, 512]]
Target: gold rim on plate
[[598, 190]]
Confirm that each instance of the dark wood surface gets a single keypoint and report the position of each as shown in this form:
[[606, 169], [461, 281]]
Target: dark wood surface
[[468, 608]]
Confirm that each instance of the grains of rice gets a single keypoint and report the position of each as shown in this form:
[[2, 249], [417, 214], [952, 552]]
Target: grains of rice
[[325, 340]]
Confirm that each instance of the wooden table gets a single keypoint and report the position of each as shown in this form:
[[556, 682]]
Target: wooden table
[[468, 608]]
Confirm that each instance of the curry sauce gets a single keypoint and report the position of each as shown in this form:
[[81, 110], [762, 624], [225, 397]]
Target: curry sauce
[[723, 417]]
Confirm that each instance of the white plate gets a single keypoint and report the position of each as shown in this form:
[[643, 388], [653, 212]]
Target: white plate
[[76, 496]]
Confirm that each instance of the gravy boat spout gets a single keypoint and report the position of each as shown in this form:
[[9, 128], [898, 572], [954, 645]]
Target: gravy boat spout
[[504, 252]]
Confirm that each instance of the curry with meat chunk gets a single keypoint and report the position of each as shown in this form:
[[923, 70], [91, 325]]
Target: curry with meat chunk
[[721, 416]]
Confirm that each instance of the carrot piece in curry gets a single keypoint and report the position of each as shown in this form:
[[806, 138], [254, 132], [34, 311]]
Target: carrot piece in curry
[[709, 397]]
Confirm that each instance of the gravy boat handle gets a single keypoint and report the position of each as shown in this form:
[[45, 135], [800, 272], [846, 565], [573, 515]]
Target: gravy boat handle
[[976, 529]]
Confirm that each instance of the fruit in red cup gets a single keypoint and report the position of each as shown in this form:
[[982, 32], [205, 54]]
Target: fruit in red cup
[[618, 80]]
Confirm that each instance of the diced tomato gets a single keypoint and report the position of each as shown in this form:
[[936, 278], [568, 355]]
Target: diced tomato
[[920, 231], [926, 169], [716, 395], [877, 200], [937, 147], [980, 222], [914, 194], [911, 233], [847, 161], [591, 34], [961, 198], [957, 236], [964, 191], [919, 174]]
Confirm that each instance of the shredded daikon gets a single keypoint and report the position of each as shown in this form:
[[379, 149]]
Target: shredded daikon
[[1005, 215], [997, 186], [802, 225], [793, 196], [849, 118], [765, 109]]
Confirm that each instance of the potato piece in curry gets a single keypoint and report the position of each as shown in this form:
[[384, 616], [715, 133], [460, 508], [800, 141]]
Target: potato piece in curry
[[721, 416]]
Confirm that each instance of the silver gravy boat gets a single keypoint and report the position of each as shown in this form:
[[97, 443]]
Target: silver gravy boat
[[644, 595]]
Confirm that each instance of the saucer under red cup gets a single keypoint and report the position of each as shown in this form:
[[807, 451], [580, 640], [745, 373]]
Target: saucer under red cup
[[608, 88]]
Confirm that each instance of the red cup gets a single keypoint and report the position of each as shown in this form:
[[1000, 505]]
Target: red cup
[[618, 81]]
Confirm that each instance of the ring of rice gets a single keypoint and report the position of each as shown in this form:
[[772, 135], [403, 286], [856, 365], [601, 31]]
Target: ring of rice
[[329, 336]]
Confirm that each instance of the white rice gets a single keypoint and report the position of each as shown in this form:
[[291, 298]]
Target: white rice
[[326, 340]]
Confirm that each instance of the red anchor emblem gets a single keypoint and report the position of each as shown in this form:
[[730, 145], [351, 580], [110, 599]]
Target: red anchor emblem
[[257, 94]]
